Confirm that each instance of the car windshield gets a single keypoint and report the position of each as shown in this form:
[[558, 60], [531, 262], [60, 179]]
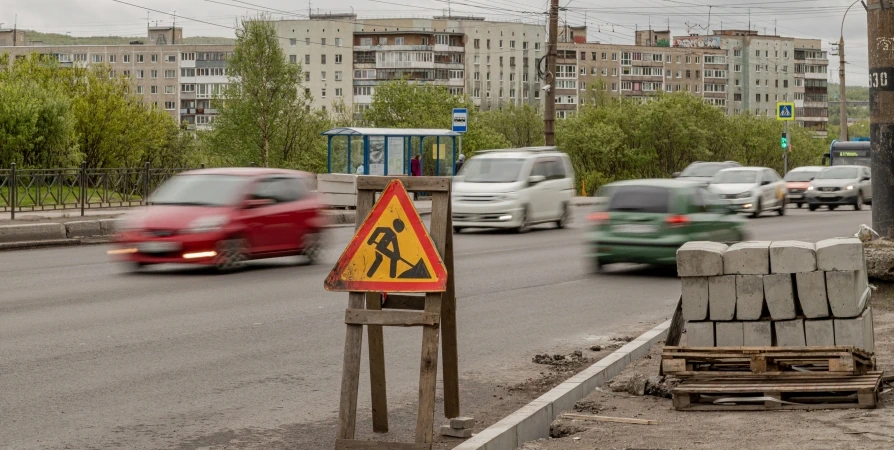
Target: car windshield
[[702, 170], [648, 199], [735, 176], [492, 170], [838, 173], [801, 175], [200, 190]]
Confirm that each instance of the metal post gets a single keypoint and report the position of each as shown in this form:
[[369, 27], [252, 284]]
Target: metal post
[[84, 186], [785, 150], [146, 185], [880, 18], [14, 182], [348, 163], [459, 152], [549, 110], [842, 90], [385, 171], [251, 164], [437, 156], [202, 165]]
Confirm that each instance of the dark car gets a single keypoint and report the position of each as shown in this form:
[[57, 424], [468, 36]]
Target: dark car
[[223, 217], [702, 172]]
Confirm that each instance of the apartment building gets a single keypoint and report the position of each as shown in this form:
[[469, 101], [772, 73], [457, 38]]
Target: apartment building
[[493, 62], [175, 77], [11, 37], [811, 85], [638, 72]]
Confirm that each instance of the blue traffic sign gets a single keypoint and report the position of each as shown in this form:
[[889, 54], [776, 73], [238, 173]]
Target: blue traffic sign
[[785, 111], [460, 120]]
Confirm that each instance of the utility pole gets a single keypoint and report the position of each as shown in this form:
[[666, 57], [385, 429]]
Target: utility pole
[[549, 110], [842, 92], [880, 18]]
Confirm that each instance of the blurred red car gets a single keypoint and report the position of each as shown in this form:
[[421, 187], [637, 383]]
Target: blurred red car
[[224, 217], [797, 180]]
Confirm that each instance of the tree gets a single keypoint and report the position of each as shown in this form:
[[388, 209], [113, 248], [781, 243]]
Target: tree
[[401, 104], [262, 116], [521, 125]]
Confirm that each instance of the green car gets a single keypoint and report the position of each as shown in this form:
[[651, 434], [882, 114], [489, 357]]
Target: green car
[[646, 221]]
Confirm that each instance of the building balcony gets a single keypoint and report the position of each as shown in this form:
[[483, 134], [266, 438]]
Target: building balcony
[[405, 65], [715, 94], [447, 48], [816, 76], [393, 48]]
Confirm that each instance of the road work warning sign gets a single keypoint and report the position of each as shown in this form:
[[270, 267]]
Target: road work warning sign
[[391, 251]]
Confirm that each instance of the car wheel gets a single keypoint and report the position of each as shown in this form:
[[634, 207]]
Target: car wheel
[[859, 204], [800, 205], [757, 210], [457, 230], [525, 221], [597, 266], [135, 266], [833, 207], [813, 207], [563, 219], [781, 210], [231, 254], [313, 247]]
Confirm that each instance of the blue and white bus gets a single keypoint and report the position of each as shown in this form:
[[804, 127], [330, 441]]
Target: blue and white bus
[[847, 153]]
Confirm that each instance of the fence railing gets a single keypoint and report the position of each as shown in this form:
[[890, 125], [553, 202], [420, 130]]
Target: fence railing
[[81, 188]]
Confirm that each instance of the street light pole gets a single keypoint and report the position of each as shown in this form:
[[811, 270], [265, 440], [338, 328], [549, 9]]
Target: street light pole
[[842, 90]]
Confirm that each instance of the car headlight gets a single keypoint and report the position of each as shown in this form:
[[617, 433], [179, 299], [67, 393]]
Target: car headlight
[[809, 188], [850, 188], [207, 224], [744, 195]]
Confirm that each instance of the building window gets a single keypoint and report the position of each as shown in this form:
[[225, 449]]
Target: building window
[[170, 73], [757, 98], [170, 106], [512, 45], [525, 47], [154, 58], [501, 46], [187, 88], [97, 58], [366, 42], [139, 74], [153, 89], [322, 76], [126, 58], [737, 53], [140, 58], [337, 75], [139, 89], [614, 71], [322, 59], [476, 43], [293, 42], [188, 56], [785, 83], [323, 95], [306, 59], [153, 74], [306, 76], [363, 90], [537, 48], [737, 68], [399, 41], [307, 42], [126, 74], [170, 89], [293, 59], [338, 59], [170, 58], [112, 59], [737, 97]]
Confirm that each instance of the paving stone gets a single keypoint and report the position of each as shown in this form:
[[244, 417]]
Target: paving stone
[[812, 294], [858, 332], [840, 254], [729, 334], [750, 297], [780, 296], [848, 292], [722, 297], [790, 333], [695, 298], [792, 257], [758, 334], [460, 423], [747, 258], [819, 333], [446, 430], [700, 334], [700, 259]]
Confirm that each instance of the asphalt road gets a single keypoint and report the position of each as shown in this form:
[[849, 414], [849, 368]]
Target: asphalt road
[[92, 357]]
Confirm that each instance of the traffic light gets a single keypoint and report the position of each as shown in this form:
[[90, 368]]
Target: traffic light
[[784, 141]]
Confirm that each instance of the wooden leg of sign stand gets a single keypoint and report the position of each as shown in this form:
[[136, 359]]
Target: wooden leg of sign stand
[[377, 368], [428, 374], [350, 378], [448, 329]]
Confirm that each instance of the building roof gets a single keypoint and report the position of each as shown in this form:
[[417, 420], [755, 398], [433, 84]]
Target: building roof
[[349, 131]]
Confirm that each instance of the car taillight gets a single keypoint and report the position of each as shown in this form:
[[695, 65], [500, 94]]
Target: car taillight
[[677, 221], [598, 217]]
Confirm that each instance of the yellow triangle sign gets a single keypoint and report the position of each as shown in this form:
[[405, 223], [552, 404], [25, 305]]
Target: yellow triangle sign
[[391, 252]]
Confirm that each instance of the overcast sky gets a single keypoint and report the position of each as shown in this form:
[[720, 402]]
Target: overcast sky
[[608, 21]]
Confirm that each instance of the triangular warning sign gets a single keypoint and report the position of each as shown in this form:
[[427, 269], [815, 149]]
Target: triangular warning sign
[[391, 252]]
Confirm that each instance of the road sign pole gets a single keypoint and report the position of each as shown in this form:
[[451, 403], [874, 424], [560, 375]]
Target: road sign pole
[[785, 151], [880, 18]]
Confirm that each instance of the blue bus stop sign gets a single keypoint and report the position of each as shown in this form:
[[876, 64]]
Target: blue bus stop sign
[[460, 120]]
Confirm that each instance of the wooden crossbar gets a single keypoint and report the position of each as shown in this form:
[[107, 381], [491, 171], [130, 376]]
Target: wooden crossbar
[[391, 318], [350, 444], [412, 184]]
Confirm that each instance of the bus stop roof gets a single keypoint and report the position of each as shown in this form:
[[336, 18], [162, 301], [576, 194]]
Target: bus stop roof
[[424, 132]]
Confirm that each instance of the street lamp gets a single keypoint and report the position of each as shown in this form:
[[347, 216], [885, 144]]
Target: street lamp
[[842, 92]]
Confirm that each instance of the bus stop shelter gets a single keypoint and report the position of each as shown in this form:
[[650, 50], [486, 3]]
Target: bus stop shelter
[[388, 151]]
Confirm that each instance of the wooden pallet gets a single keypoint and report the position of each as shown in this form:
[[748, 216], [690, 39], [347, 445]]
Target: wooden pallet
[[810, 392], [689, 362]]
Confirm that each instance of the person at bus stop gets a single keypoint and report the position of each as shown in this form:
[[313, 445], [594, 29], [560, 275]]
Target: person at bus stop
[[459, 163], [416, 171]]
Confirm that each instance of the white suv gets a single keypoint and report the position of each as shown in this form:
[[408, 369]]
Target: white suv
[[513, 188]]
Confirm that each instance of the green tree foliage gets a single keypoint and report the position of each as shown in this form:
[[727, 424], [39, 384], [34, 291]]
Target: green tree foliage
[[522, 125], [263, 118]]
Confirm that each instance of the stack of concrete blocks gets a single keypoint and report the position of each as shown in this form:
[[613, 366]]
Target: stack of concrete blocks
[[460, 427], [784, 293]]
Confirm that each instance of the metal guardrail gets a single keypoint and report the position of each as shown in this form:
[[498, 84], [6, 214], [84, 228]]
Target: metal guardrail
[[79, 188]]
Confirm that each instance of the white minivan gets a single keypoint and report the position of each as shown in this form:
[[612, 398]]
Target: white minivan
[[513, 188]]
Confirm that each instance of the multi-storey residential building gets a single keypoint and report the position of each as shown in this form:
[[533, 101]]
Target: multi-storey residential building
[[493, 62], [11, 37], [631, 71], [811, 85], [178, 78]]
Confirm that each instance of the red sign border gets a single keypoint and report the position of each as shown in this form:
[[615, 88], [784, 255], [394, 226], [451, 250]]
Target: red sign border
[[395, 188]]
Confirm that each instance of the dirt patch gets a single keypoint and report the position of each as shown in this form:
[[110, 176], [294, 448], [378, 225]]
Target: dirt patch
[[782, 430]]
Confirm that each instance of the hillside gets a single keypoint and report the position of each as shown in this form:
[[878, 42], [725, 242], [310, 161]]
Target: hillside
[[63, 39], [856, 93]]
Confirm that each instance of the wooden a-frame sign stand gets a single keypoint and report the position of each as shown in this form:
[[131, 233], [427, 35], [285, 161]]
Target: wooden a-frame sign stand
[[435, 312]]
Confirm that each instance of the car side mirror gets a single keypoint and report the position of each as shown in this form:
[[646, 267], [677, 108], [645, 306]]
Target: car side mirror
[[675, 175], [257, 203], [536, 179]]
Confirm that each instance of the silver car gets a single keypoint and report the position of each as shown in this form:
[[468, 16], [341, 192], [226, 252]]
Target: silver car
[[751, 190], [840, 185]]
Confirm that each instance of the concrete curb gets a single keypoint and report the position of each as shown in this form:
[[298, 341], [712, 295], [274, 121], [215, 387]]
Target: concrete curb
[[532, 421]]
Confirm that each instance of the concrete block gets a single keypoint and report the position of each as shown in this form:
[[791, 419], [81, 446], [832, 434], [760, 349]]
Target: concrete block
[[460, 423], [700, 334], [858, 332], [722, 297], [729, 334], [792, 257], [749, 297], [812, 294], [109, 226], [534, 420], [86, 228], [839, 254], [446, 430], [848, 292], [747, 258], [790, 333], [819, 333], [32, 232], [695, 298], [700, 259], [758, 334], [780, 295]]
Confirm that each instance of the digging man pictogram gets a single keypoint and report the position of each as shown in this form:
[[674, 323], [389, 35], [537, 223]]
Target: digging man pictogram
[[385, 241]]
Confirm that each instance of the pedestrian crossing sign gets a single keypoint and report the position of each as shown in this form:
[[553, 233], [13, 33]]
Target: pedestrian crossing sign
[[391, 251], [785, 111]]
